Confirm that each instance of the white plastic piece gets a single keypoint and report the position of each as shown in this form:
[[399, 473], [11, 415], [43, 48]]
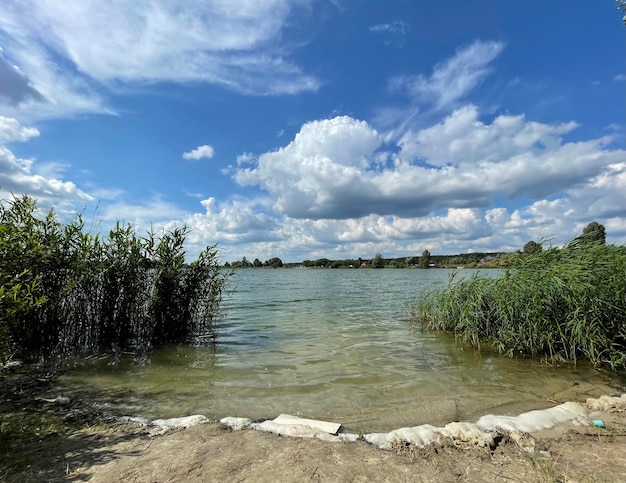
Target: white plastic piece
[[185, 422], [236, 423], [330, 428]]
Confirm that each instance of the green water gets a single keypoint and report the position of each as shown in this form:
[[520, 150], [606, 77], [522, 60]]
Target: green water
[[328, 344]]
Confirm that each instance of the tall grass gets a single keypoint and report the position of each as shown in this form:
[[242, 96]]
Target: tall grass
[[564, 304], [95, 293]]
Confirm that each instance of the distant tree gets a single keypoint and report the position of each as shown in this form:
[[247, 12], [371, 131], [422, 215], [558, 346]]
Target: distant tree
[[594, 233], [425, 259], [227, 265], [378, 261], [322, 262], [275, 262], [257, 263], [532, 247], [245, 263]]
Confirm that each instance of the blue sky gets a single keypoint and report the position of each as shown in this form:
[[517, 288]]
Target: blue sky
[[320, 128]]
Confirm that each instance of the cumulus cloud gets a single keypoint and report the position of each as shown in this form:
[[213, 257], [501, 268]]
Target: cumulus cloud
[[339, 169], [297, 176], [204, 151], [453, 79], [12, 130], [65, 54], [18, 176]]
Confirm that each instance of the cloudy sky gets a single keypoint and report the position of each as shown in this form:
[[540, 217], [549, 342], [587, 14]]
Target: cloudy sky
[[320, 128]]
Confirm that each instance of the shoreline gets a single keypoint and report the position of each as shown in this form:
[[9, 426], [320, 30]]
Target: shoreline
[[568, 450], [194, 448]]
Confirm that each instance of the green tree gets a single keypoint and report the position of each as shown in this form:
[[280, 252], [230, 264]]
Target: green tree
[[275, 262], [532, 247], [322, 262], [594, 233], [378, 261], [425, 259], [257, 263]]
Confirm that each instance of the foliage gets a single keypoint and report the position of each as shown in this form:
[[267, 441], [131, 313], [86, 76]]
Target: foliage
[[425, 259], [274, 263], [377, 261], [594, 233], [532, 247], [18, 284], [84, 293], [560, 303]]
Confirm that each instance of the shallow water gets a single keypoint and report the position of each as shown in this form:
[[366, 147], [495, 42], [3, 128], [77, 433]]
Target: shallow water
[[329, 344]]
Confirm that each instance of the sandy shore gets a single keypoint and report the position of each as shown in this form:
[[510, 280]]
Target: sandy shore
[[567, 452]]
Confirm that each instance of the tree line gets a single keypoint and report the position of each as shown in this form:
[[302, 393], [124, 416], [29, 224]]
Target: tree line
[[593, 233]]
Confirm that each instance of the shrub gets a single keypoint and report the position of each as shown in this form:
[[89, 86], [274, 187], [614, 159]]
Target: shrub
[[561, 303], [73, 291]]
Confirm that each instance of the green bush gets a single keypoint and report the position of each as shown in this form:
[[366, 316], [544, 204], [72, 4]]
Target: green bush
[[65, 291], [561, 303]]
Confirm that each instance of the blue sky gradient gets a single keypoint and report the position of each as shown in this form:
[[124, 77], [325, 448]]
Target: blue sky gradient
[[320, 128]]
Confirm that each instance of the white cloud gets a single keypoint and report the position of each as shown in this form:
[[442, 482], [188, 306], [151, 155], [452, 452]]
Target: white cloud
[[241, 227], [393, 33], [453, 79], [461, 138], [62, 54], [246, 158], [333, 169], [247, 227], [155, 213], [318, 170], [620, 77], [12, 130], [17, 176], [204, 151]]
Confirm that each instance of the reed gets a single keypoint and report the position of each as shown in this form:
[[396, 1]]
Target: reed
[[91, 293], [562, 303]]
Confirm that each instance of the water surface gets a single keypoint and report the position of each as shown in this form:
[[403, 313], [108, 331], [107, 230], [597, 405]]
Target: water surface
[[329, 344]]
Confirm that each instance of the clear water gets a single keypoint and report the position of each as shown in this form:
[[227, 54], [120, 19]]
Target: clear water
[[334, 345]]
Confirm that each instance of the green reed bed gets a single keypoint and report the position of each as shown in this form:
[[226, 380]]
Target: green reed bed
[[561, 303], [64, 290]]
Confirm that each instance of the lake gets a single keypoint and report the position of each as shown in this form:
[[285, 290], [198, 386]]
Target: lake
[[334, 345]]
